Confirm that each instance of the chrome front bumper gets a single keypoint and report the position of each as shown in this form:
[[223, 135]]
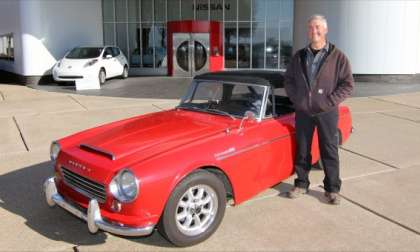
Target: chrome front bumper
[[93, 217]]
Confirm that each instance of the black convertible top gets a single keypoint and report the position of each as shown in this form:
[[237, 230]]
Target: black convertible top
[[259, 77]]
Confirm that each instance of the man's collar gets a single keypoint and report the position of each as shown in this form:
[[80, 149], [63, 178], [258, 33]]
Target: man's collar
[[326, 47]]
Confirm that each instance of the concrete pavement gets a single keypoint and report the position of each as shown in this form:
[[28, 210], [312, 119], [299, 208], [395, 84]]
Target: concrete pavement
[[380, 168]]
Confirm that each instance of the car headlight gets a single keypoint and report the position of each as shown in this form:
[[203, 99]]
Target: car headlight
[[90, 63], [54, 150], [125, 186]]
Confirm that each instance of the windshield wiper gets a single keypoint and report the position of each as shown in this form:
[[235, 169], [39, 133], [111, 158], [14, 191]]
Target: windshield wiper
[[221, 112]]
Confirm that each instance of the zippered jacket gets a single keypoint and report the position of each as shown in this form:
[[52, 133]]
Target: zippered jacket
[[332, 84]]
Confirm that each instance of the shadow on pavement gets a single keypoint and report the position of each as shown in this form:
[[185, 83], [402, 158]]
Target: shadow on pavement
[[283, 188], [21, 193]]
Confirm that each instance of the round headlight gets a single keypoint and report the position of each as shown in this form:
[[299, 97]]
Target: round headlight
[[54, 150], [125, 186]]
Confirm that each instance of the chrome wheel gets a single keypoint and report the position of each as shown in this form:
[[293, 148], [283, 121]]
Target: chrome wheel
[[196, 210], [102, 76]]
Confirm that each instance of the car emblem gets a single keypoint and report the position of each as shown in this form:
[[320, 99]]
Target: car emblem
[[69, 67], [77, 165]]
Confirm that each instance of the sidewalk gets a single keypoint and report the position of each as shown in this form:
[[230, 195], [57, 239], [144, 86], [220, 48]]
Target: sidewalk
[[380, 170]]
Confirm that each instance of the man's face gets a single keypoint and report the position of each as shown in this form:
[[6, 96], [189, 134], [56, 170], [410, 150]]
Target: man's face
[[317, 32]]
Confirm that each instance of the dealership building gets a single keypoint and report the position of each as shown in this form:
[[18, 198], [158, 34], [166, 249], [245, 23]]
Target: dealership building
[[187, 37]]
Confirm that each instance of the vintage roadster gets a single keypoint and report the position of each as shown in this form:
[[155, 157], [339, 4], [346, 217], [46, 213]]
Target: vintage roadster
[[231, 137]]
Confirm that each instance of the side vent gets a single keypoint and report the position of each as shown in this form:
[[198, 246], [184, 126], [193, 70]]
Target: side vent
[[97, 150]]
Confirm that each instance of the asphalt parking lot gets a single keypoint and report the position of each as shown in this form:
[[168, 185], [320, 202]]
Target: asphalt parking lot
[[380, 169]]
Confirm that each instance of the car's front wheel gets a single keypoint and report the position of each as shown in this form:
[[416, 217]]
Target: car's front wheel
[[194, 210], [102, 76]]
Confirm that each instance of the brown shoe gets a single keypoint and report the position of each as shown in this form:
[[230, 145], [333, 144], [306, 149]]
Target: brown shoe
[[295, 192], [333, 198]]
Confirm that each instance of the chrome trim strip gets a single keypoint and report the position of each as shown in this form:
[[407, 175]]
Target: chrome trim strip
[[93, 216], [97, 186], [98, 150], [84, 189]]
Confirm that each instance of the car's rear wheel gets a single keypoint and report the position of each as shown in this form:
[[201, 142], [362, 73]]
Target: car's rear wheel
[[124, 74], [194, 210], [102, 76]]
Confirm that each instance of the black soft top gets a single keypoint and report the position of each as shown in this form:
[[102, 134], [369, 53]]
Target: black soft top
[[258, 77]]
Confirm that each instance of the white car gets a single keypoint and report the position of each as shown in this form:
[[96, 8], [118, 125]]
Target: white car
[[104, 62]]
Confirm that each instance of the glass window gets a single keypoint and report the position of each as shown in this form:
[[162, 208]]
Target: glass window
[[133, 11], [286, 12], [272, 45], [115, 52], [273, 10], [108, 51], [84, 53], [202, 10], [216, 10], [134, 42], [147, 10], [230, 44], [109, 34], [258, 45], [121, 10], [147, 45], [258, 10], [122, 37], [244, 11], [187, 9], [173, 10], [285, 44], [160, 10], [108, 10], [244, 46], [160, 46], [230, 10]]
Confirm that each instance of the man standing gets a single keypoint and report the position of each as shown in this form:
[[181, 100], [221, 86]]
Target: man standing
[[318, 79]]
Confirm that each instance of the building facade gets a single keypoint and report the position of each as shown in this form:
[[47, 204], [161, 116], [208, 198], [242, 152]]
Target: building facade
[[380, 37]]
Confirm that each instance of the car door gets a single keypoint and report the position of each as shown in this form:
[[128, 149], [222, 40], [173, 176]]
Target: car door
[[108, 62], [117, 63]]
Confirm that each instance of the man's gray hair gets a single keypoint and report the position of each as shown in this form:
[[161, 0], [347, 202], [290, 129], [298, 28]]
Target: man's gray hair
[[320, 18]]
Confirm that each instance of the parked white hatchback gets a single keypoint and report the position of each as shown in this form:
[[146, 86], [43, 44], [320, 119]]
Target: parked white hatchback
[[101, 62]]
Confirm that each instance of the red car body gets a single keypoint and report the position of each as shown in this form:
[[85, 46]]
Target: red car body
[[163, 148]]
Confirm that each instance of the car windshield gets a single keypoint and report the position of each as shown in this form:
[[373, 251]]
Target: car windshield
[[224, 98], [84, 53]]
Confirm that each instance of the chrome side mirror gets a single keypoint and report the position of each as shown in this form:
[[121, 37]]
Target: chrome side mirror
[[108, 56], [249, 115]]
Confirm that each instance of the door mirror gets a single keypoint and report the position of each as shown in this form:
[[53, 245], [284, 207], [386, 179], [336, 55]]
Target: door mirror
[[249, 115], [108, 56]]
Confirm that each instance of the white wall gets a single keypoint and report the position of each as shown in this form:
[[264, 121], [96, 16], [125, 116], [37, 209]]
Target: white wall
[[10, 23], [50, 28], [379, 37]]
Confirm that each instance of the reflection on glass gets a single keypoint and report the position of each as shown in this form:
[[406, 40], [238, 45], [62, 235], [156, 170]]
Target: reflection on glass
[[109, 34], [147, 10], [230, 10], [122, 37], [108, 10], [273, 10], [285, 44], [244, 11], [230, 45], [147, 45], [160, 46], [258, 45], [160, 10], [287, 8], [182, 56], [272, 45], [134, 44], [133, 11], [200, 56], [216, 10], [258, 10], [121, 11], [187, 9], [244, 45], [202, 10], [173, 10]]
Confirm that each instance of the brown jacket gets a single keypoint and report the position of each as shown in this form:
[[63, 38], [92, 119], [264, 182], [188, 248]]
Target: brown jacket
[[332, 84]]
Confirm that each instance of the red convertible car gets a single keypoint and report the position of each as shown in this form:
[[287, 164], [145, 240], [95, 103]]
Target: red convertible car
[[231, 137]]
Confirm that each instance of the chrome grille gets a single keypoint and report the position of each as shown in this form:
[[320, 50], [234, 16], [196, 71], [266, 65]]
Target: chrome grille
[[84, 185]]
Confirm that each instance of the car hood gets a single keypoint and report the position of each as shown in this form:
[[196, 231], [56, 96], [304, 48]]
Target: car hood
[[74, 63], [153, 134]]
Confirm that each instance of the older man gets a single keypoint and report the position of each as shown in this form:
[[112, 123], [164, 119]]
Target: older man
[[318, 79]]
